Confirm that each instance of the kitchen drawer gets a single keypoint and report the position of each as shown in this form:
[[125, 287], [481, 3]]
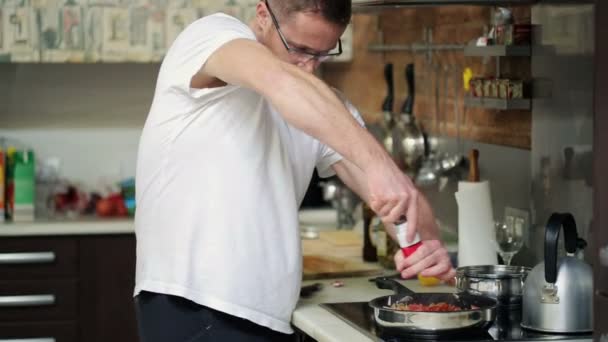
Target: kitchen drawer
[[38, 258], [39, 332], [28, 300]]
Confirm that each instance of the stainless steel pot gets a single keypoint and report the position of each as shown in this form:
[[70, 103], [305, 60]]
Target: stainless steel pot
[[503, 283], [477, 311], [558, 294]]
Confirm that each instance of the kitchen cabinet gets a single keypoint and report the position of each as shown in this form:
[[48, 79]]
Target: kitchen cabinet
[[600, 200], [107, 30], [68, 288], [107, 275]]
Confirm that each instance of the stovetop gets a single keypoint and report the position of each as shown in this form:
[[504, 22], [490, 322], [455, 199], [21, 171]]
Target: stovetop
[[506, 327]]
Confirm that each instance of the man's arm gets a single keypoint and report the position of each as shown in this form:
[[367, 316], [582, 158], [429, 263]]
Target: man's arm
[[310, 105], [431, 259], [305, 101]]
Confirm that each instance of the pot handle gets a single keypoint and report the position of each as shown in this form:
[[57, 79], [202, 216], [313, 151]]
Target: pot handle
[[408, 105], [556, 221], [387, 105], [386, 283]]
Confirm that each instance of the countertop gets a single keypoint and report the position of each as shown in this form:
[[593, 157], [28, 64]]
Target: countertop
[[77, 227], [324, 326], [322, 218]]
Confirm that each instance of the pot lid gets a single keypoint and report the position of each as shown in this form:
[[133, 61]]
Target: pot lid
[[494, 271]]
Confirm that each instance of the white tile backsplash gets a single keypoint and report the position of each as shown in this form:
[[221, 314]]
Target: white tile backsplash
[[88, 156]]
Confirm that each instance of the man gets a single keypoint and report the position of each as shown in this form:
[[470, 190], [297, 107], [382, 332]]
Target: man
[[236, 128]]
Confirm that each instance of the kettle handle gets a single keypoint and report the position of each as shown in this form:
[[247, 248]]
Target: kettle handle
[[556, 221]]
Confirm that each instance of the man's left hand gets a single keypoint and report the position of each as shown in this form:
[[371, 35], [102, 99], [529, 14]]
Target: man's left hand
[[430, 260]]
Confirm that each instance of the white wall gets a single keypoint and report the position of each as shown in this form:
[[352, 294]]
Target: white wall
[[89, 116], [88, 155]]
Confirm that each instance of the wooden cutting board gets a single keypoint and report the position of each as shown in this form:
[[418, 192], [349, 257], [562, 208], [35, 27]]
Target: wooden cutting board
[[341, 238], [325, 266]]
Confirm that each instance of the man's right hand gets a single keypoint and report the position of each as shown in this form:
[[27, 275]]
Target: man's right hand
[[393, 196]]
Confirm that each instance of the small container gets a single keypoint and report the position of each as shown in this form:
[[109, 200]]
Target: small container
[[476, 86], [516, 89], [490, 88], [127, 190], [504, 91]]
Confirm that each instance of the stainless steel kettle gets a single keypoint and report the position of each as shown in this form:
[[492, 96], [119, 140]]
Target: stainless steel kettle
[[558, 294]]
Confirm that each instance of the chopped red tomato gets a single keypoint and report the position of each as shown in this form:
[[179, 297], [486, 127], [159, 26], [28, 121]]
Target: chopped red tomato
[[435, 307]]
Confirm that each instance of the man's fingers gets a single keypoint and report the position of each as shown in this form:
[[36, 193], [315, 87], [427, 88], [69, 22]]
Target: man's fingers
[[439, 270], [412, 216], [386, 210], [428, 248], [397, 212], [431, 260], [419, 266], [449, 275]]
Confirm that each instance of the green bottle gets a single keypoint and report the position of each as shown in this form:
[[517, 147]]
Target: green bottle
[[24, 186]]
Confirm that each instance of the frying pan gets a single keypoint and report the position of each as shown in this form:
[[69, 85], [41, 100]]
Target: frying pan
[[477, 311]]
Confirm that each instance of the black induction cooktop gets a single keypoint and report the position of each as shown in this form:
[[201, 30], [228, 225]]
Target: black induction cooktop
[[506, 327]]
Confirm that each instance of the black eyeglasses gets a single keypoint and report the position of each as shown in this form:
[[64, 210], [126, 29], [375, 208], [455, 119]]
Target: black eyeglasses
[[304, 54]]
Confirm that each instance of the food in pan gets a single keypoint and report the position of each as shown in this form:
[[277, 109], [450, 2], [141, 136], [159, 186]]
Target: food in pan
[[434, 307]]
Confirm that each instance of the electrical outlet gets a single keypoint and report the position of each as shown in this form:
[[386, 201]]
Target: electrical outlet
[[519, 217]]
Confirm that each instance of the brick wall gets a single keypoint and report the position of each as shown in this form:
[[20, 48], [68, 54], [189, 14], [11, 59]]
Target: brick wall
[[362, 79]]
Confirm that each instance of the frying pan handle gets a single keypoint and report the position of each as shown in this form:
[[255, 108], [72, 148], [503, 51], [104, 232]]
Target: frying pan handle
[[555, 223], [391, 284], [408, 105], [387, 106]]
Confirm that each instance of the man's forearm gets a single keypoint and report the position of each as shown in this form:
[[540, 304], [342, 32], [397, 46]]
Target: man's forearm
[[309, 104]]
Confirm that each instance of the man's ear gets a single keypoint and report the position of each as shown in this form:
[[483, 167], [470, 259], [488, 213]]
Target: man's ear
[[262, 17]]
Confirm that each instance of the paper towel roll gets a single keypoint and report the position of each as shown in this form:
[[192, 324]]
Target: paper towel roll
[[476, 244]]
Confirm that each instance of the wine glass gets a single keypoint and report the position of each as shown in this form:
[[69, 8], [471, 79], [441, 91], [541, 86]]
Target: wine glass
[[509, 237]]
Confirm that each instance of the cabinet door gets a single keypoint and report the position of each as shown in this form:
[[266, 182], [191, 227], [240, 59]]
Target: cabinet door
[[39, 331], [107, 276]]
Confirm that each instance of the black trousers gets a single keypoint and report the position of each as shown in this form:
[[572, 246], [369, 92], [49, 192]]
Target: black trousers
[[165, 318]]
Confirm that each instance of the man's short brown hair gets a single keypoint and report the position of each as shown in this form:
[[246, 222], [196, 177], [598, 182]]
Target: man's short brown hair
[[335, 11]]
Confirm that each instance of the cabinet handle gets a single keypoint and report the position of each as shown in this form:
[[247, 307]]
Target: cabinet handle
[[27, 258], [41, 339], [27, 300]]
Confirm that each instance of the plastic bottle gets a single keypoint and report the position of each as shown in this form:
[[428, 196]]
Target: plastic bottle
[[24, 186]]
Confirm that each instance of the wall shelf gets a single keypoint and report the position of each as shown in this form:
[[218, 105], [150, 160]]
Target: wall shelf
[[497, 50], [501, 104], [363, 6]]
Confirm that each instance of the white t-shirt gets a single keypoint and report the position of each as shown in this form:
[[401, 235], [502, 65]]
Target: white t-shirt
[[220, 177]]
